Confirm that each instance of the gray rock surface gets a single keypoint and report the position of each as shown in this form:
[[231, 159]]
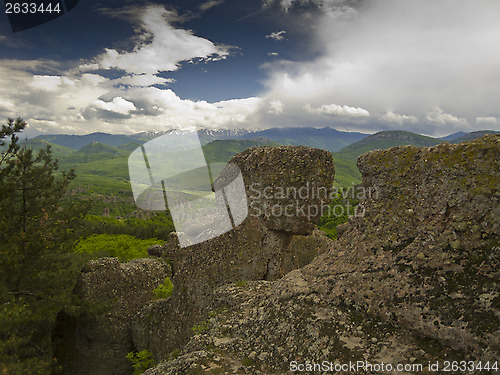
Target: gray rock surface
[[261, 248], [97, 343], [413, 281], [286, 186]]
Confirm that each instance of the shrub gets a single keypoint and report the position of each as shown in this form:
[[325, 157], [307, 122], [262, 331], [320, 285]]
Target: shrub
[[164, 290], [141, 361], [201, 328], [340, 210]]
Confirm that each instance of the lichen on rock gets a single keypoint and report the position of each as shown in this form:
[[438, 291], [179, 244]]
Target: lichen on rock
[[412, 281]]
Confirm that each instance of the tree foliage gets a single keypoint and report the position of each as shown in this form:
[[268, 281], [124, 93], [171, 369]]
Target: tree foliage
[[38, 268], [122, 246], [338, 213]]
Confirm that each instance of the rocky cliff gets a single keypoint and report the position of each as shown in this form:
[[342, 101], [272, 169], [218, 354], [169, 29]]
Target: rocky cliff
[[286, 188], [413, 279]]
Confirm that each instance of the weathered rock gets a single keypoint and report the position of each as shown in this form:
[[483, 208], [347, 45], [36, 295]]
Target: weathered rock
[[261, 248], [98, 342], [155, 250], [286, 186], [413, 281], [251, 252]]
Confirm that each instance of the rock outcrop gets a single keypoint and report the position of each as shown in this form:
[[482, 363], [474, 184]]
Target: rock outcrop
[[286, 187], [97, 343], [412, 281], [272, 241]]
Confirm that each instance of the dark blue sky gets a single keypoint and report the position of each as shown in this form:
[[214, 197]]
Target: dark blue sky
[[84, 32]]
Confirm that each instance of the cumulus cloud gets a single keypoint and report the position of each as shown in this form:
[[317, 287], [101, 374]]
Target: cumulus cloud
[[339, 110], [118, 105], [398, 56], [164, 47], [333, 8], [278, 35], [438, 116], [488, 121], [398, 119], [276, 107], [143, 80]]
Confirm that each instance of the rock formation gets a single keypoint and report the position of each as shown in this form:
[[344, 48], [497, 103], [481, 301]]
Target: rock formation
[[97, 343], [286, 187], [412, 281], [264, 247]]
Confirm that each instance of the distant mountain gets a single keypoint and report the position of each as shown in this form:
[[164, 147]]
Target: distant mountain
[[76, 142], [209, 135], [453, 136], [206, 135], [58, 151], [473, 135], [386, 139], [98, 147], [131, 146], [221, 151], [326, 138]]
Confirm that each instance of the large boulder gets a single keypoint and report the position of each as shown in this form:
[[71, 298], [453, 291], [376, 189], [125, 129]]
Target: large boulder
[[287, 187], [97, 341], [414, 281]]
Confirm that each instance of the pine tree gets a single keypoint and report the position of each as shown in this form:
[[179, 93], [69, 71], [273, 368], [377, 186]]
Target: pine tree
[[38, 268]]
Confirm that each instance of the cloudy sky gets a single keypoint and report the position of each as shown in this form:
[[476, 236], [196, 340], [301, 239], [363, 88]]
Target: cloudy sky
[[123, 66]]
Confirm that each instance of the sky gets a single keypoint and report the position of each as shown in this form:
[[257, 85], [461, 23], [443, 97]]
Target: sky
[[121, 66]]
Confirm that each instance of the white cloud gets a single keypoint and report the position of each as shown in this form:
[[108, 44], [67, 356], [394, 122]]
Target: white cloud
[[169, 47], [278, 35], [398, 56], [398, 119], [439, 117], [210, 4], [83, 103], [46, 83], [143, 80], [488, 121], [340, 110], [338, 9], [118, 105], [276, 107], [93, 79]]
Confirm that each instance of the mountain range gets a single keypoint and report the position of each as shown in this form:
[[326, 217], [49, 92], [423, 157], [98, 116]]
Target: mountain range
[[100, 160], [99, 150], [326, 138]]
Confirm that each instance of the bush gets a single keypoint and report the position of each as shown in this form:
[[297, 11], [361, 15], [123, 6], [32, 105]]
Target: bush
[[201, 328], [164, 290], [141, 361], [159, 226]]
